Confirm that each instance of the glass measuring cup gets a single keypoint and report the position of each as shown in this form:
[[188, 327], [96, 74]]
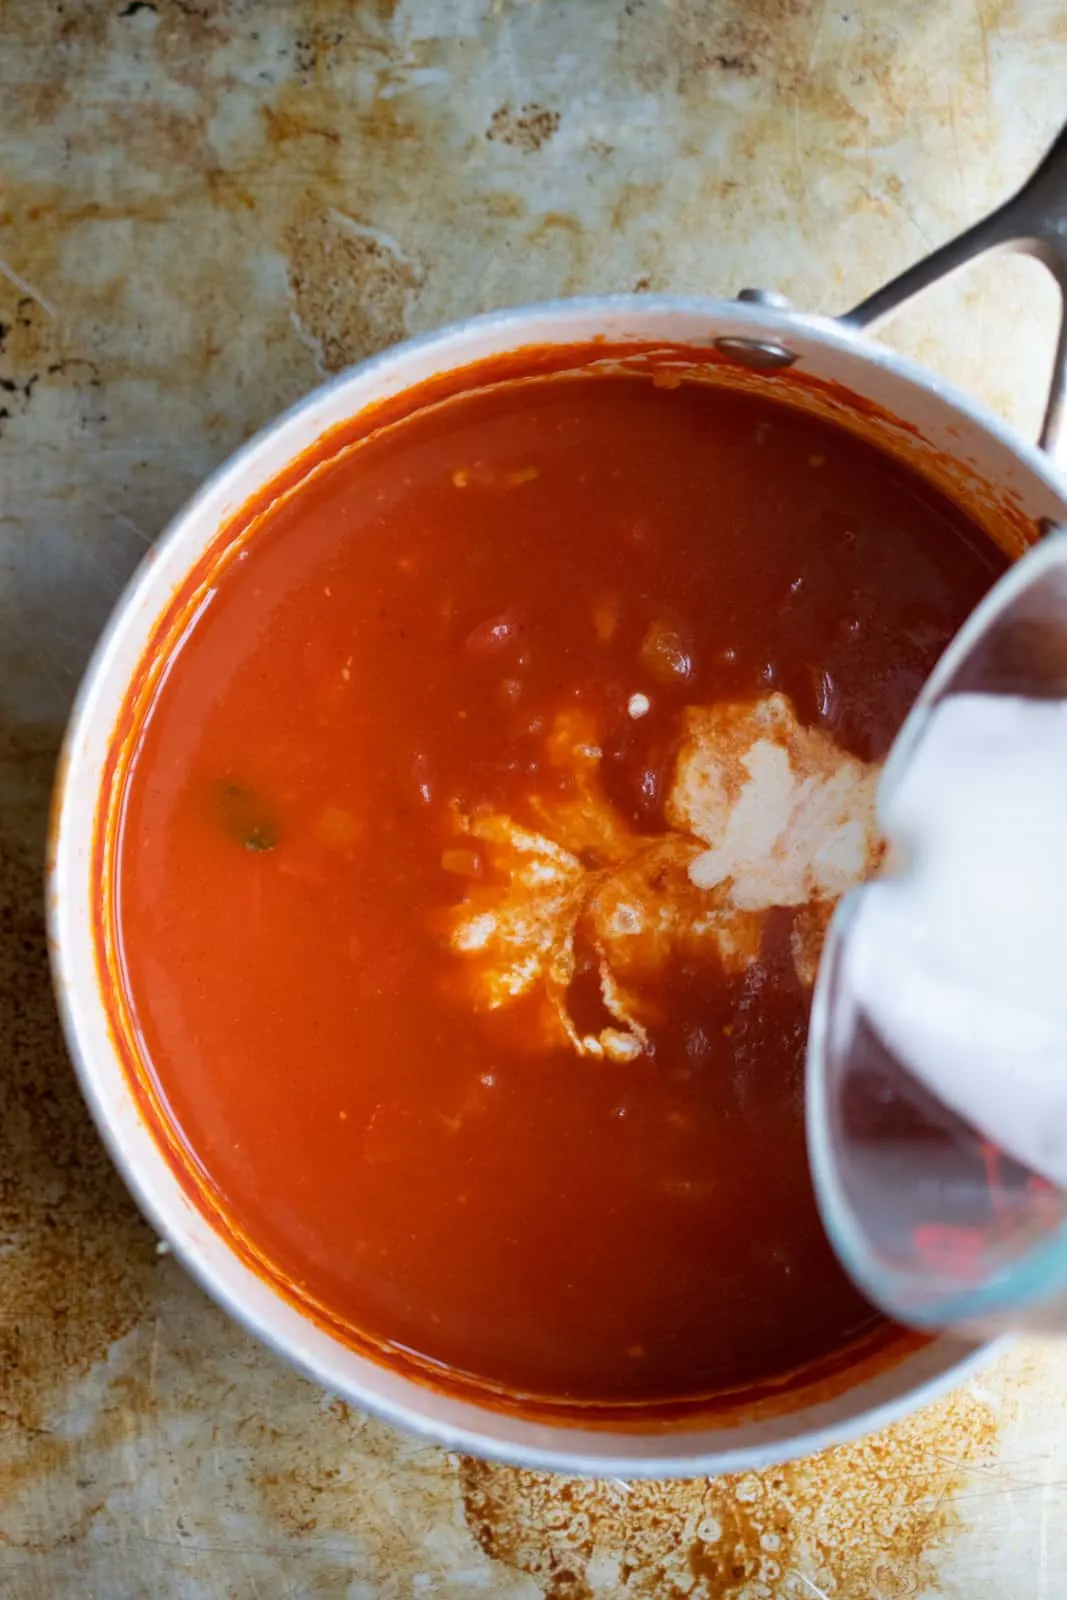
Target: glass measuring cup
[[927, 1209]]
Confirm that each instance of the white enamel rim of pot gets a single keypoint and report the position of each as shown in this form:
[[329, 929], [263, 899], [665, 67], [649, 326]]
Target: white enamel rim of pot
[[951, 424]]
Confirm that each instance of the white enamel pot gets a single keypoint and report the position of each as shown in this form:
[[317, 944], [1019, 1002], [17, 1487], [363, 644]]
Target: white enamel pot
[[760, 343]]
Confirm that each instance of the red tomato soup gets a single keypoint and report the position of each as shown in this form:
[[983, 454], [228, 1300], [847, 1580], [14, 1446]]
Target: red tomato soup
[[474, 854]]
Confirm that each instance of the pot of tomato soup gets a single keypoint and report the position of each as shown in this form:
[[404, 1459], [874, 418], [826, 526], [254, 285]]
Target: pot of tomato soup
[[447, 829]]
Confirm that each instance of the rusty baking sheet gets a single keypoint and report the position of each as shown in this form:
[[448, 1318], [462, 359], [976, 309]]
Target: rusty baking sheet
[[206, 205]]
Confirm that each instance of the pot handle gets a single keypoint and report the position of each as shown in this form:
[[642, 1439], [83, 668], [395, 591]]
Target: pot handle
[[1033, 222]]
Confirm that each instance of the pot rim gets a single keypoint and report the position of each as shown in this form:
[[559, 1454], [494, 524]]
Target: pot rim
[[948, 1361]]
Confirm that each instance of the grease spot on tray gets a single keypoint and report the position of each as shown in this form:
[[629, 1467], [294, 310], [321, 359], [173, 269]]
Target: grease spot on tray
[[527, 129], [353, 287], [77, 1260], [867, 1519]]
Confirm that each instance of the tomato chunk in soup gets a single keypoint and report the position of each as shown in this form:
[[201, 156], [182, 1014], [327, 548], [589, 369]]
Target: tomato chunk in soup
[[475, 856]]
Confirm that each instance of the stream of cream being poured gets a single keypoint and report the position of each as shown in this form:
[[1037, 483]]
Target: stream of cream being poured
[[958, 959]]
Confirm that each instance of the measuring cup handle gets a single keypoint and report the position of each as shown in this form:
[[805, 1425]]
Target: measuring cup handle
[[1034, 222]]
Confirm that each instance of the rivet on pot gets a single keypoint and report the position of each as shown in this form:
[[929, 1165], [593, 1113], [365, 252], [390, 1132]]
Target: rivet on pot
[[761, 355], [771, 298]]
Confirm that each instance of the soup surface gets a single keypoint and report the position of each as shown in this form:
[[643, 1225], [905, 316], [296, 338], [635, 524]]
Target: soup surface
[[474, 859]]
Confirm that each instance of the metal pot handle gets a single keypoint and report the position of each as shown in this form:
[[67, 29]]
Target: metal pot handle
[[1033, 222]]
